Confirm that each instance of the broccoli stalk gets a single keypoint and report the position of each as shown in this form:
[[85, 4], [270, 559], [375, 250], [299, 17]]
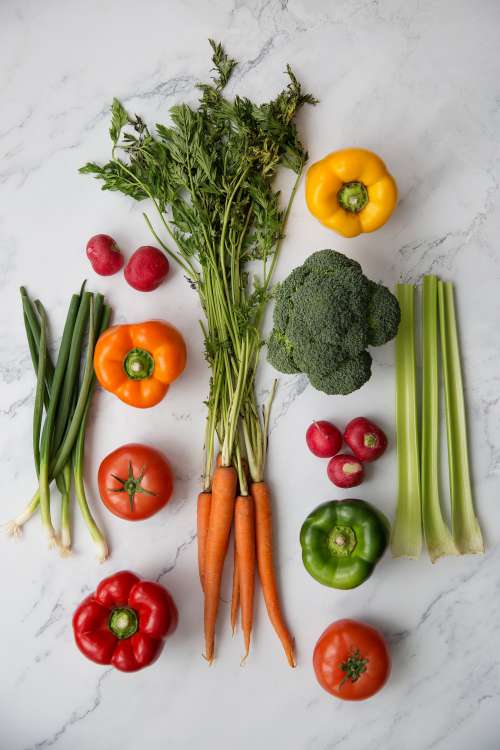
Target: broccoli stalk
[[327, 313]]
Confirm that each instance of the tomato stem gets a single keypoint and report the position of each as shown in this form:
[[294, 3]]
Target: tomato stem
[[353, 667], [132, 485]]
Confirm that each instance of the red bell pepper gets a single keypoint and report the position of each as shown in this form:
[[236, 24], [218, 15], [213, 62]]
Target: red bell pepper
[[124, 622]]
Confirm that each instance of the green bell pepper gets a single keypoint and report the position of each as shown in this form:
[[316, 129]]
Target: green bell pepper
[[342, 541]]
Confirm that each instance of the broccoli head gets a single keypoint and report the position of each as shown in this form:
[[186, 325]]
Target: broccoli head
[[327, 313]]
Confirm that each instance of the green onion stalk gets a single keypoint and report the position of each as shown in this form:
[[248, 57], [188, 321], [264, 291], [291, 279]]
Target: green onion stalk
[[48, 437], [95, 532], [63, 482]]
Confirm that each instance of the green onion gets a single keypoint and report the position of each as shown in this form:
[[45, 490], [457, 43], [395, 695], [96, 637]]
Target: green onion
[[33, 333], [71, 411], [406, 538], [64, 484], [14, 528], [79, 458], [72, 369], [437, 535], [466, 529], [64, 451], [40, 387], [57, 383]]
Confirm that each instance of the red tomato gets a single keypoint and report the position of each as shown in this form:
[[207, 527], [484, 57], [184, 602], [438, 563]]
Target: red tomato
[[135, 481], [351, 660]]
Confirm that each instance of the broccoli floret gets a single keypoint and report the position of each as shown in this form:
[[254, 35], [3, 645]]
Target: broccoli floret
[[279, 354], [330, 261], [384, 315], [348, 377], [284, 295], [327, 312]]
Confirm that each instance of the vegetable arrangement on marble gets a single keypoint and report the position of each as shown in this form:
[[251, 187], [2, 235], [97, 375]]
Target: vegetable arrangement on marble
[[209, 176]]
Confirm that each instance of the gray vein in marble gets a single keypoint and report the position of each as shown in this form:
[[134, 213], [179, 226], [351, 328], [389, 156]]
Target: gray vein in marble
[[75, 716], [421, 254], [18, 404], [295, 389], [178, 552], [56, 614]]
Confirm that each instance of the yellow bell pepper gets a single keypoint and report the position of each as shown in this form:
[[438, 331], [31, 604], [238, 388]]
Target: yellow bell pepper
[[351, 191]]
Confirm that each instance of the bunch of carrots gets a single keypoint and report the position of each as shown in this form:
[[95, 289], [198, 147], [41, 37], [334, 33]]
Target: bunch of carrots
[[240, 497], [209, 175]]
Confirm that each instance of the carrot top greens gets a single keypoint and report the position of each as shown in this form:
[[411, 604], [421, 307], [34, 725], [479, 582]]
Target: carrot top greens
[[209, 174]]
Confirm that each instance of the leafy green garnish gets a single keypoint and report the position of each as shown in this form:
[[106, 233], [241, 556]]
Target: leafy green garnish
[[210, 174]]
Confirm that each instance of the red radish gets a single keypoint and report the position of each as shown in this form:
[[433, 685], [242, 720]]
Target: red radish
[[345, 471], [323, 439], [146, 269], [365, 439], [104, 255]]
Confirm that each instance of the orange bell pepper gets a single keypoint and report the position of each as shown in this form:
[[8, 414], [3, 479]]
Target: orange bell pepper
[[138, 362], [351, 191]]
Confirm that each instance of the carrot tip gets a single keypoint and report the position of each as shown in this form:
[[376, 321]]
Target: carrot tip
[[243, 659]]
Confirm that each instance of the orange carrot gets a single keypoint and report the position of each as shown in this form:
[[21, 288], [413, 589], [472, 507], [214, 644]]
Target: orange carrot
[[235, 596], [244, 531], [219, 529], [265, 564], [203, 516]]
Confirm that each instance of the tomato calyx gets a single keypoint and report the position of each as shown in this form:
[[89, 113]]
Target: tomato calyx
[[132, 485], [353, 667]]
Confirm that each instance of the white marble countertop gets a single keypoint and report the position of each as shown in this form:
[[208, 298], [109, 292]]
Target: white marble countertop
[[418, 82]]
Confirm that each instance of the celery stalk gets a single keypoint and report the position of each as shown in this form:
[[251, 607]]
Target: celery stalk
[[465, 526], [437, 535], [406, 538]]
